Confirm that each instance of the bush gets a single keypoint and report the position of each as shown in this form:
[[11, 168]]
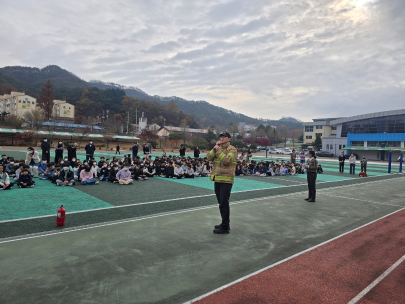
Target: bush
[[253, 146], [238, 144], [200, 142], [154, 144]]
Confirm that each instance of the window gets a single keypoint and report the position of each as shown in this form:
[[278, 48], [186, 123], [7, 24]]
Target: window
[[327, 147], [344, 146], [357, 143], [340, 147], [19, 101], [309, 128], [320, 134], [308, 137], [319, 127], [333, 128]]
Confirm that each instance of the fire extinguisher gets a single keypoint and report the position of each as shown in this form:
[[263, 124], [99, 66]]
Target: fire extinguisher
[[60, 217]]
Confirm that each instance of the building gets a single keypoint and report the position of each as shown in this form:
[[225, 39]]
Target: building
[[153, 127], [17, 103], [372, 135], [63, 109], [244, 127], [166, 130], [320, 126]]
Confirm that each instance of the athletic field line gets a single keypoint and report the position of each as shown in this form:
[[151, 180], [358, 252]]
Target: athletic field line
[[376, 281], [192, 197], [103, 224], [287, 259], [357, 199]]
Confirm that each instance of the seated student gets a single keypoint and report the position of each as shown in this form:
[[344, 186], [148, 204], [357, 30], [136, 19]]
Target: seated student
[[149, 170], [133, 169], [124, 176], [50, 169], [208, 168], [189, 172], [178, 172], [18, 172], [140, 173], [113, 174], [66, 176], [10, 167], [25, 180], [105, 172], [42, 167], [87, 177], [199, 169], [284, 171], [56, 174], [277, 172], [4, 179], [261, 171], [162, 169], [4, 161], [238, 170], [170, 170], [319, 170], [32, 159], [270, 170], [184, 166]]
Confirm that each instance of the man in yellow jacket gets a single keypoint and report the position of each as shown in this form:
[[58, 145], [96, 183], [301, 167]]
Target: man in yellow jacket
[[223, 156]]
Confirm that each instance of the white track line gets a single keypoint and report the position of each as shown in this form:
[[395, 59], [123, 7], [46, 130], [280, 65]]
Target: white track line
[[376, 281], [356, 199], [18, 238], [286, 259], [192, 197]]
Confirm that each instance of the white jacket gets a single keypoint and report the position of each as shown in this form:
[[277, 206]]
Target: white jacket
[[178, 171], [352, 159], [30, 157], [4, 179]]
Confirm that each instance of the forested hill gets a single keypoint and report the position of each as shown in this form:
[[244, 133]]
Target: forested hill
[[70, 87]]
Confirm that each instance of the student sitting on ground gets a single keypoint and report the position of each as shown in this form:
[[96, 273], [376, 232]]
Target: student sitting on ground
[[189, 172], [140, 174], [238, 170], [42, 167], [87, 177], [170, 170], [4, 161], [56, 173], [4, 179], [178, 172], [50, 169], [319, 170], [18, 172], [162, 169], [261, 171], [124, 176], [25, 180], [113, 174], [32, 159], [149, 171], [105, 172], [10, 168], [66, 176]]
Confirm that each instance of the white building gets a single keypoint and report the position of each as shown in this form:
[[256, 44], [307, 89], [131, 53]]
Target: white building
[[17, 103]]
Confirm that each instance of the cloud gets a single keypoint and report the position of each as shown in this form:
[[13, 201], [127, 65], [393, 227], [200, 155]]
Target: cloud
[[264, 58]]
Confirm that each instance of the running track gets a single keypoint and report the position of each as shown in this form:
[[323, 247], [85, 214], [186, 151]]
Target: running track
[[349, 269]]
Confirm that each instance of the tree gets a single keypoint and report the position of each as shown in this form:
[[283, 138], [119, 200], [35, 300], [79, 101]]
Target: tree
[[172, 106], [200, 142], [148, 135], [117, 123], [3, 116], [176, 137], [81, 120], [317, 143], [238, 144], [6, 89], [233, 129], [83, 132], [46, 98], [14, 121]]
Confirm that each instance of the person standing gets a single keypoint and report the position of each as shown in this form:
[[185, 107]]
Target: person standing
[[341, 162], [90, 148], [32, 159], [117, 149], [59, 152], [302, 157], [46, 150], [352, 161], [145, 149], [196, 152], [72, 148], [311, 166], [135, 149], [182, 151], [363, 164], [293, 156], [223, 156]]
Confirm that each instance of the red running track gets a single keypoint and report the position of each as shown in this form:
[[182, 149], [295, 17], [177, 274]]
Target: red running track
[[335, 272]]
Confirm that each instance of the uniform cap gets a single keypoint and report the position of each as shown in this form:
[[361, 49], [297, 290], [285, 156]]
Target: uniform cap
[[225, 134]]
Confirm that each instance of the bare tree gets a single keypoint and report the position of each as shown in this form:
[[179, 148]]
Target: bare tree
[[36, 118]]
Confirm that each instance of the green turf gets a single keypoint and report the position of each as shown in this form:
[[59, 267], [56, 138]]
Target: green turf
[[239, 185], [44, 199]]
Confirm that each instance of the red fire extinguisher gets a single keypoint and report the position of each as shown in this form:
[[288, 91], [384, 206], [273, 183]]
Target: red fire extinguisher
[[60, 218]]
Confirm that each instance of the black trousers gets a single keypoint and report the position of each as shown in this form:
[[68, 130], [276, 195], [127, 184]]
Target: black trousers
[[58, 155], [223, 192], [46, 156], [364, 168], [341, 167], [311, 178]]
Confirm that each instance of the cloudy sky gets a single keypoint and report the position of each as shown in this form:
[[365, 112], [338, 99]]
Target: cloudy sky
[[263, 58]]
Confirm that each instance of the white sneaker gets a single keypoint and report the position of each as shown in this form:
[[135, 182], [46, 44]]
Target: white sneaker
[[114, 182], [141, 179], [145, 178], [32, 186], [174, 177], [96, 183]]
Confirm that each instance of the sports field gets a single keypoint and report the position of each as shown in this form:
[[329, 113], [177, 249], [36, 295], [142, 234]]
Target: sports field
[[152, 242]]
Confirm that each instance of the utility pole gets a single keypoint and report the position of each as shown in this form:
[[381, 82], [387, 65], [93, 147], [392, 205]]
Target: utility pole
[[136, 121], [127, 122]]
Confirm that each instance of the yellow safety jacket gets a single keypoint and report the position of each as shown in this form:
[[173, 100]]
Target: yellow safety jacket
[[224, 162]]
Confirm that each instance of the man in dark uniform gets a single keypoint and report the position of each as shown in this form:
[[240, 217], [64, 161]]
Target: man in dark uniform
[[135, 149], [46, 148], [311, 166], [182, 151], [117, 150], [72, 151], [90, 148], [293, 157], [196, 152], [223, 156]]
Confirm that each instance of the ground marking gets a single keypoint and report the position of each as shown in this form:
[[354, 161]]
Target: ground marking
[[287, 259], [198, 196], [376, 281], [356, 199]]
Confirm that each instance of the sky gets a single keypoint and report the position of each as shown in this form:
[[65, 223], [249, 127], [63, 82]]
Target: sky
[[263, 58]]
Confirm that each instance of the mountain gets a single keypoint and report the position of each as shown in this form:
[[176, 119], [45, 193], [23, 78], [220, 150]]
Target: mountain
[[69, 87]]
